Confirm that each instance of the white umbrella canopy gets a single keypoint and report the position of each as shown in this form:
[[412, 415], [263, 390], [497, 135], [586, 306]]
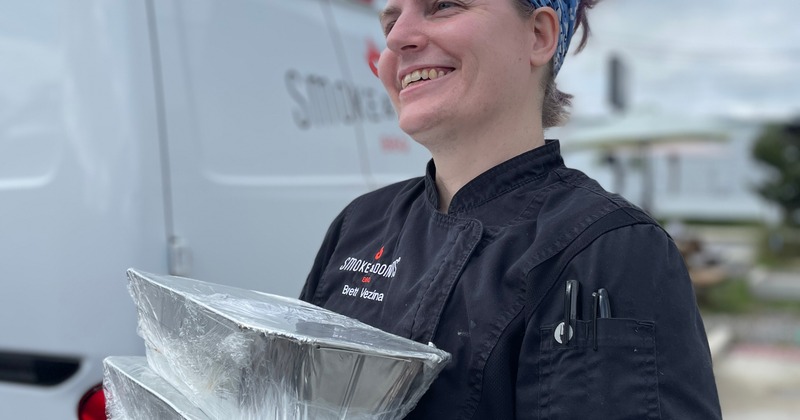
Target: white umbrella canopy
[[643, 128]]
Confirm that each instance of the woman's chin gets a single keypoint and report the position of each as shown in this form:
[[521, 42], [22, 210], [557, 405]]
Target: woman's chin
[[421, 125]]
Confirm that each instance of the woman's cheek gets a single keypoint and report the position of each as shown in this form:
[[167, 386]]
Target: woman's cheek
[[387, 70]]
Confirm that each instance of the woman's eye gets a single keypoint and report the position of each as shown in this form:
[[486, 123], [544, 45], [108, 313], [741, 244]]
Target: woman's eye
[[442, 5], [436, 6]]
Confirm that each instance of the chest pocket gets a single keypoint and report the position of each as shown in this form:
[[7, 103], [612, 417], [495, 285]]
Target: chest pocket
[[616, 378]]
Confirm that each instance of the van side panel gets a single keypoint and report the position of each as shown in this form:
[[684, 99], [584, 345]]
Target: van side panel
[[80, 188], [208, 138], [262, 145]]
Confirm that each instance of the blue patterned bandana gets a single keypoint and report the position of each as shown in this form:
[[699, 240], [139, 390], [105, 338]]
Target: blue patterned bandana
[[567, 11]]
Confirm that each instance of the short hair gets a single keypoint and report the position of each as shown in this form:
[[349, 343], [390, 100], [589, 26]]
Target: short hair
[[555, 103]]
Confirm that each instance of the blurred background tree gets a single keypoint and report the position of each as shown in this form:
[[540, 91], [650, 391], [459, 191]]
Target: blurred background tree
[[778, 148]]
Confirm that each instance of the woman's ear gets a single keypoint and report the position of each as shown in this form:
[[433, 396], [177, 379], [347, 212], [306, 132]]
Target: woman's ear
[[546, 28]]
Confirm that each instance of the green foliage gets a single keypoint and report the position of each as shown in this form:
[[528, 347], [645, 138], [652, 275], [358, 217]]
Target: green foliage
[[731, 296], [779, 248], [778, 148]]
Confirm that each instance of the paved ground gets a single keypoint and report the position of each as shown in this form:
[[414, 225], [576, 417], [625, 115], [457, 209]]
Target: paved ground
[[757, 365], [759, 382], [757, 357]]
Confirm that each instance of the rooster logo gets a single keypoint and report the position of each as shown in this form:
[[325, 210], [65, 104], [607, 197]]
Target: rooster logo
[[373, 54]]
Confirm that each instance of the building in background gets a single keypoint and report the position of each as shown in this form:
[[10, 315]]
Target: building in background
[[703, 180]]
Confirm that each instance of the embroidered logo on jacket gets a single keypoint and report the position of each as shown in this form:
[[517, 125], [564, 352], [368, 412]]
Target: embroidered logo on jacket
[[357, 265], [369, 268]]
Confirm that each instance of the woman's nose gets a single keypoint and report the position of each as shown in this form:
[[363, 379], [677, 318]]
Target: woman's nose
[[407, 34]]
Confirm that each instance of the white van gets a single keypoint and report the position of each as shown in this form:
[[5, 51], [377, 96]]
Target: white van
[[209, 138]]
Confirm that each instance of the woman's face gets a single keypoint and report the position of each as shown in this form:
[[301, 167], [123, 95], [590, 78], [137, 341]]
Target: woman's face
[[452, 65]]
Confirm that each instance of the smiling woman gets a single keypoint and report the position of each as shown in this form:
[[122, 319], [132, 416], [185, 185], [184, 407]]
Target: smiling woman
[[503, 256], [476, 47]]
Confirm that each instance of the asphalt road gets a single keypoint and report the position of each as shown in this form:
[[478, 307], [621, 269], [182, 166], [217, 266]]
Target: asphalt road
[[759, 382]]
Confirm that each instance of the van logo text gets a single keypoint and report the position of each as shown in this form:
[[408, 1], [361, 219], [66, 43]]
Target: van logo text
[[322, 102]]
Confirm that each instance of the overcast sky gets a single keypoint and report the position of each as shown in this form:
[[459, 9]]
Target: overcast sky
[[712, 57]]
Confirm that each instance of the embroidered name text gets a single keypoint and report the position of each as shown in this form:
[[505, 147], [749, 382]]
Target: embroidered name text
[[365, 293]]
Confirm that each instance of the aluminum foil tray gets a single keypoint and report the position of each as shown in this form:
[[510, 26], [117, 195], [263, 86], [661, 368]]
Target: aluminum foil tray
[[134, 392], [241, 354]]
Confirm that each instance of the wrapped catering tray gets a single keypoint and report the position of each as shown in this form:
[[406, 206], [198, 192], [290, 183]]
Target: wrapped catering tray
[[241, 354], [133, 392]]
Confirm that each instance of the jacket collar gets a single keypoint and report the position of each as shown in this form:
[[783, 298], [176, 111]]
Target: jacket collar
[[498, 180]]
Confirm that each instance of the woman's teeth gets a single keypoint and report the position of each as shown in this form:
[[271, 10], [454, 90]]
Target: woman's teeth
[[426, 74]]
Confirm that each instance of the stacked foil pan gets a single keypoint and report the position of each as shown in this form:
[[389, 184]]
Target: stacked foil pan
[[240, 354], [133, 391]]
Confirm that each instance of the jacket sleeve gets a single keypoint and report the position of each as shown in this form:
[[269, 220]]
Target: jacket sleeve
[[650, 359], [323, 258]]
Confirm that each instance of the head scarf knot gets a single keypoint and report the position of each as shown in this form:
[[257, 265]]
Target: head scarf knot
[[567, 16]]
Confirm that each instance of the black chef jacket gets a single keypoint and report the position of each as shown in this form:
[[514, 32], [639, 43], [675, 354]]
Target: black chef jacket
[[486, 283]]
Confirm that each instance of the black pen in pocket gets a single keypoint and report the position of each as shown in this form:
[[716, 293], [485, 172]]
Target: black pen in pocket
[[599, 303], [604, 303], [565, 330]]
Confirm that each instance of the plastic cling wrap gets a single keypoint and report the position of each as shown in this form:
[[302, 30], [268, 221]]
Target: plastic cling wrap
[[134, 392], [240, 354]]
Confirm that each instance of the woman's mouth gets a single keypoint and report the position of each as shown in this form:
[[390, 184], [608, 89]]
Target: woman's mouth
[[422, 75]]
